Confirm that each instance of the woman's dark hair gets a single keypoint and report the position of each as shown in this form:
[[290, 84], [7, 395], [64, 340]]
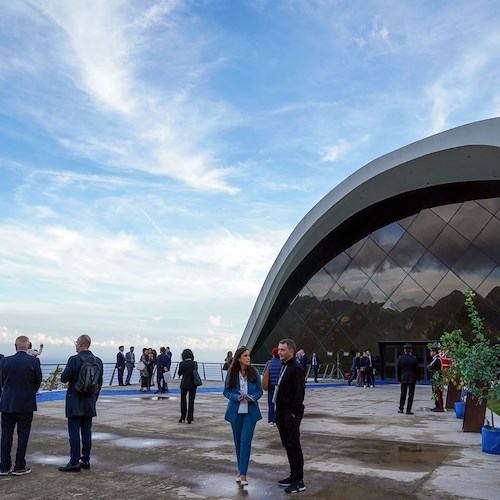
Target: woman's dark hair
[[144, 350], [235, 368], [187, 354]]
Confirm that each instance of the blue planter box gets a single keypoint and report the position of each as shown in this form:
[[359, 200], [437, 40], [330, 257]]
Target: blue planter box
[[459, 409], [490, 439]]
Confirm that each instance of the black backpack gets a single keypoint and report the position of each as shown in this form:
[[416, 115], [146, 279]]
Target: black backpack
[[89, 375]]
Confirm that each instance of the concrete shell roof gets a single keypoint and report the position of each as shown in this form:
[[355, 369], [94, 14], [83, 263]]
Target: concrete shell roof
[[473, 150]]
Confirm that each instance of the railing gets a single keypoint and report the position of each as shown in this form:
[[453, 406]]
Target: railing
[[208, 371]]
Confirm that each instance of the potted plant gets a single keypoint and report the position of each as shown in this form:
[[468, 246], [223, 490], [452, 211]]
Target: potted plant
[[480, 367]]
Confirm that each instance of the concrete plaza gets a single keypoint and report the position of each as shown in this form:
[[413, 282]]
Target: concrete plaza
[[355, 444]]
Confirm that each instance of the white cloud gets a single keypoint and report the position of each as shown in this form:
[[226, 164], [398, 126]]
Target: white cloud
[[333, 153]]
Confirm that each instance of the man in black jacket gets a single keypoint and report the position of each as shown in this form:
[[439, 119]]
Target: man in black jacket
[[20, 378], [289, 398], [80, 407], [407, 373]]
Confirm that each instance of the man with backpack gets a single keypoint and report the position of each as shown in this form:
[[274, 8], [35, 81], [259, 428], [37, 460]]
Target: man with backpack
[[83, 373]]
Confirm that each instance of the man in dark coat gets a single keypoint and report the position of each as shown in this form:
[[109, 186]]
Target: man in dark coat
[[315, 366], [120, 364], [407, 373], [20, 379], [80, 408], [163, 363]]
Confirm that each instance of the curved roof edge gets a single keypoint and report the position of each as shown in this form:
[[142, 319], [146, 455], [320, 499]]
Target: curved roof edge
[[474, 151]]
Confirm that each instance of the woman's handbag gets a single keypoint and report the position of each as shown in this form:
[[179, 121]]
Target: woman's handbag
[[196, 377], [141, 366], [265, 377]]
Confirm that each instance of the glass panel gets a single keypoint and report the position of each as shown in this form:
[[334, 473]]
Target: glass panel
[[353, 279], [306, 340], [321, 322], [473, 267], [336, 340], [369, 257], [428, 272], [408, 294], [426, 227], [337, 265], [491, 204], [470, 219], [449, 246], [320, 284], [450, 283], [371, 296], [407, 252], [405, 223], [490, 288], [488, 240], [388, 236], [304, 303], [353, 250], [388, 276], [446, 212]]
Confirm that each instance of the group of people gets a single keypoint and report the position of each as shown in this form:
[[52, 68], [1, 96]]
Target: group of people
[[243, 389], [362, 370]]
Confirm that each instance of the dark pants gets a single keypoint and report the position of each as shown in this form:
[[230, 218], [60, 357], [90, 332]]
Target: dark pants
[[410, 388], [289, 428], [370, 376], [315, 372], [9, 421], [162, 385], [77, 426], [270, 404], [353, 375], [130, 369], [120, 370], [187, 407]]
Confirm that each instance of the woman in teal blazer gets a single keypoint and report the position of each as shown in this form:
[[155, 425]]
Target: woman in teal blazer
[[243, 389]]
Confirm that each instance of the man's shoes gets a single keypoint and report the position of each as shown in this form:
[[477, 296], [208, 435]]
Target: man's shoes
[[69, 467], [439, 410], [286, 482], [409, 413], [296, 487], [85, 465], [400, 411], [4, 472], [21, 472]]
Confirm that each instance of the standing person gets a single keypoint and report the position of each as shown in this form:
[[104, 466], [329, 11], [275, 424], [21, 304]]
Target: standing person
[[315, 366], [407, 373], [228, 361], [120, 364], [20, 379], [274, 367], [370, 369], [151, 366], [354, 367], [302, 359], [130, 364], [289, 398], [187, 385], [145, 376], [243, 389], [35, 352], [433, 367], [162, 367], [363, 362], [83, 374]]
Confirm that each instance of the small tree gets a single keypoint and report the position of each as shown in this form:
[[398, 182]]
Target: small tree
[[53, 381]]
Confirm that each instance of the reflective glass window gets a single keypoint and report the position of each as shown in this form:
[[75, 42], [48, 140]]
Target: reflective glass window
[[428, 272], [473, 267], [353, 250], [353, 279], [388, 236], [406, 222], [388, 276], [449, 284], [337, 265], [304, 303], [490, 288], [491, 204], [320, 284], [446, 212], [426, 226], [487, 239], [470, 219], [407, 252], [449, 246], [369, 257], [408, 294]]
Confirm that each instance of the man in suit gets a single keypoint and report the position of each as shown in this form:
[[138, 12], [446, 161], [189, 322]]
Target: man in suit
[[120, 364], [354, 367], [315, 366], [162, 366], [407, 373], [20, 379], [370, 369], [129, 363], [80, 408]]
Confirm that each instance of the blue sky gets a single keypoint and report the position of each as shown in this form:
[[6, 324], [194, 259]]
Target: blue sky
[[156, 155]]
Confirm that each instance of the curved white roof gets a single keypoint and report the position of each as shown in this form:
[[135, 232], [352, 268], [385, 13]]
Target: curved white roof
[[467, 153]]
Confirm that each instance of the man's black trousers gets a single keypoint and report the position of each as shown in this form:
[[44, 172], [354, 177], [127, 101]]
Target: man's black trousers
[[288, 424]]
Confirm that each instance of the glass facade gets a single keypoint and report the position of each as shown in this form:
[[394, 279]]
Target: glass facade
[[403, 282]]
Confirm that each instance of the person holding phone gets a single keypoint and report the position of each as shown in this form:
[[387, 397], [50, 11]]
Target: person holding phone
[[243, 389]]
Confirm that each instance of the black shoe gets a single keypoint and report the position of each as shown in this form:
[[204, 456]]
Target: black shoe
[[85, 465], [4, 472], [181, 420], [286, 482], [189, 421], [69, 467], [400, 411], [410, 413], [21, 472], [296, 487], [438, 410]]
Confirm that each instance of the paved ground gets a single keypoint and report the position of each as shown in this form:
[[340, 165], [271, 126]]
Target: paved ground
[[355, 443]]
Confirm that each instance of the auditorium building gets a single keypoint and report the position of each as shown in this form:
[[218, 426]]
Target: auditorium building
[[387, 256]]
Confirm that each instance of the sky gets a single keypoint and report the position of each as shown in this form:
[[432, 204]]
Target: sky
[[156, 155]]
